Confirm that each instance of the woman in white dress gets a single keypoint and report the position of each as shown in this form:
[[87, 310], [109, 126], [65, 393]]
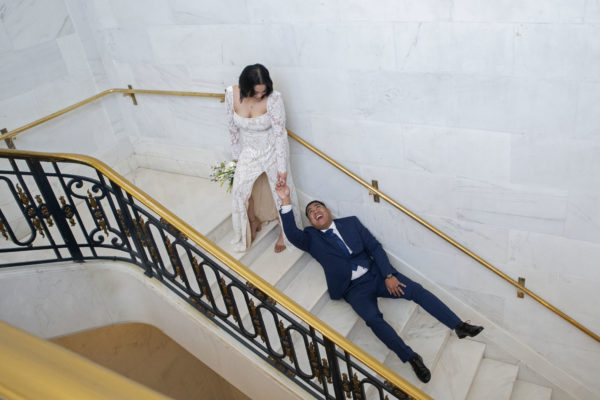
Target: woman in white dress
[[256, 122]]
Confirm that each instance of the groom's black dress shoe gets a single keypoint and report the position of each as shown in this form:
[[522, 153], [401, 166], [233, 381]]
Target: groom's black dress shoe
[[464, 329], [420, 369]]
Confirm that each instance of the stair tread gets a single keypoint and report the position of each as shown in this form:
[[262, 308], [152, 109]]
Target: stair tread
[[426, 336], [339, 315], [452, 376], [530, 391], [165, 187], [494, 381], [272, 266], [309, 286]]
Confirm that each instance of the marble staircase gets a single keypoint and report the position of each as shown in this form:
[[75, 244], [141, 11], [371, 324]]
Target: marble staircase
[[460, 368]]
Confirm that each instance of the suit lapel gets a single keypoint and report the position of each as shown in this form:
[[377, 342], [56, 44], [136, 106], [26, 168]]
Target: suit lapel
[[346, 233]]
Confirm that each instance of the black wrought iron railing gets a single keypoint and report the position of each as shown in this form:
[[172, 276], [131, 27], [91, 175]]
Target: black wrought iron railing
[[60, 207]]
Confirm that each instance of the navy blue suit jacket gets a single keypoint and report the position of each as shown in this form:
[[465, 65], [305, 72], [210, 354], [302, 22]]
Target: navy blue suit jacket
[[366, 251]]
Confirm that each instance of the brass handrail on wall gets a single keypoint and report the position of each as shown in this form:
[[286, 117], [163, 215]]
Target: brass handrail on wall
[[372, 189], [231, 262]]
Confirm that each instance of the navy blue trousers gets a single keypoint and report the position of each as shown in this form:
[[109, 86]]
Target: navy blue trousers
[[362, 295]]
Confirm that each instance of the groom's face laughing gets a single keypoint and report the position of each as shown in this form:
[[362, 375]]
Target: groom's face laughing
[[319, 216]]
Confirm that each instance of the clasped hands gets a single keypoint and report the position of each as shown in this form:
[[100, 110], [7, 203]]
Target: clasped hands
[[394, 286]]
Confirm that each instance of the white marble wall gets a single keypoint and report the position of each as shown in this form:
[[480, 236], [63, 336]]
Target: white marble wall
[[480, 117]]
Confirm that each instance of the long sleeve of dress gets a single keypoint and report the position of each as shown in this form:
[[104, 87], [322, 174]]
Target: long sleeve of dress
[[276, 112], [236, 146]]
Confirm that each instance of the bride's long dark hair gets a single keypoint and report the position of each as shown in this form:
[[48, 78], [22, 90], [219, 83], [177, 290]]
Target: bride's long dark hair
[[254, 75]]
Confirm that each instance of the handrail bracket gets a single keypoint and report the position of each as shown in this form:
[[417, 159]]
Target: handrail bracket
[[132, 95]]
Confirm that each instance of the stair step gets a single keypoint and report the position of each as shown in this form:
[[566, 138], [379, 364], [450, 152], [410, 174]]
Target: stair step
[[187, 196], [308, 286], [452, 376], [529, 391], [396, 312], [426, 336], [494, 381], [272, 266], [339, 315]]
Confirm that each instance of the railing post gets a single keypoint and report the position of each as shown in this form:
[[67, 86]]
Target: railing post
[[129, 225], [54, 208], [334, 369], [9, 141]]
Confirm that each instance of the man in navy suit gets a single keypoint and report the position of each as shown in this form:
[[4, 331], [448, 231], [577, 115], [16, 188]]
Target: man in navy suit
[[358, 270]]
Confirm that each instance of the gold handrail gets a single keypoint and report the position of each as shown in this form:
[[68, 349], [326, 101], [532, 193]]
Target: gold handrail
[[59, 373], [232, 263], [11, 134], [126, 92]]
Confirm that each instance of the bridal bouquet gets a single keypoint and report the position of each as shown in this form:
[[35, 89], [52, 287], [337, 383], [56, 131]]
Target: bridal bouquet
[[223, 173]]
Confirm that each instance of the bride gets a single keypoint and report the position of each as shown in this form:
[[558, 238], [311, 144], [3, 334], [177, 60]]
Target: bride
[[256, 122]]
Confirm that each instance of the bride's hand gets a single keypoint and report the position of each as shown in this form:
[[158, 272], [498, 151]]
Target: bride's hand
[[282, 178]]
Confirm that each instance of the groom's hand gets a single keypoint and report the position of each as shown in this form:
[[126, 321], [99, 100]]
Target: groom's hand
[[283, 191], [394, 286]]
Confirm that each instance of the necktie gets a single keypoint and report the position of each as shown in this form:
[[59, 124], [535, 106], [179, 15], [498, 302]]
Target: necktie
[[333, 238]]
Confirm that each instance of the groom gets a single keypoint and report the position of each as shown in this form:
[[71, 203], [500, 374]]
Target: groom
[[357, 269]]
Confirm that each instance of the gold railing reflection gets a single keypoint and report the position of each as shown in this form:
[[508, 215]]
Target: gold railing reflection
[[131, 92]]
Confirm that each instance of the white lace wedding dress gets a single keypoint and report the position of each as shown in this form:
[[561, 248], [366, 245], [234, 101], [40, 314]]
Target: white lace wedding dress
[[260, 145]]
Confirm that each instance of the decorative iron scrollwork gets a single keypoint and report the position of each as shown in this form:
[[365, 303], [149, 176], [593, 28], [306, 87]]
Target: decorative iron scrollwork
[[260, 294], [22, 196], [396, 391], [204, 289], [44, 210], [285, 342], [228, 299], [201, 307], [314, 362], [172, 230], [280, 365], [256, 321], [67, 210], [122, 223], [3, 230]]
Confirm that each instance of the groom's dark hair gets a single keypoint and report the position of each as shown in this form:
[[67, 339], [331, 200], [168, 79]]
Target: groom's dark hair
[[312, 202]]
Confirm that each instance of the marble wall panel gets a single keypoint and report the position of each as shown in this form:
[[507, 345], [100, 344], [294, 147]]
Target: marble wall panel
[[186, 12], [345, 46], [312, 91], [146, 12], [592, 11], [187, 45], [73, 54], [540, 161], [25, 69], [551, 50], [587, 122], [485, 155], [555, 255], [323, 181], [422, 193], [294, 12], [128, 45], [84, 132], [583, 219], [396, 10], [511, 206], [18, 110], [490, 243], [5, 44], [356, 140], [465, 48], [584, 168], [543, 107], [272, 45], [556, 11], [29, 23]]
